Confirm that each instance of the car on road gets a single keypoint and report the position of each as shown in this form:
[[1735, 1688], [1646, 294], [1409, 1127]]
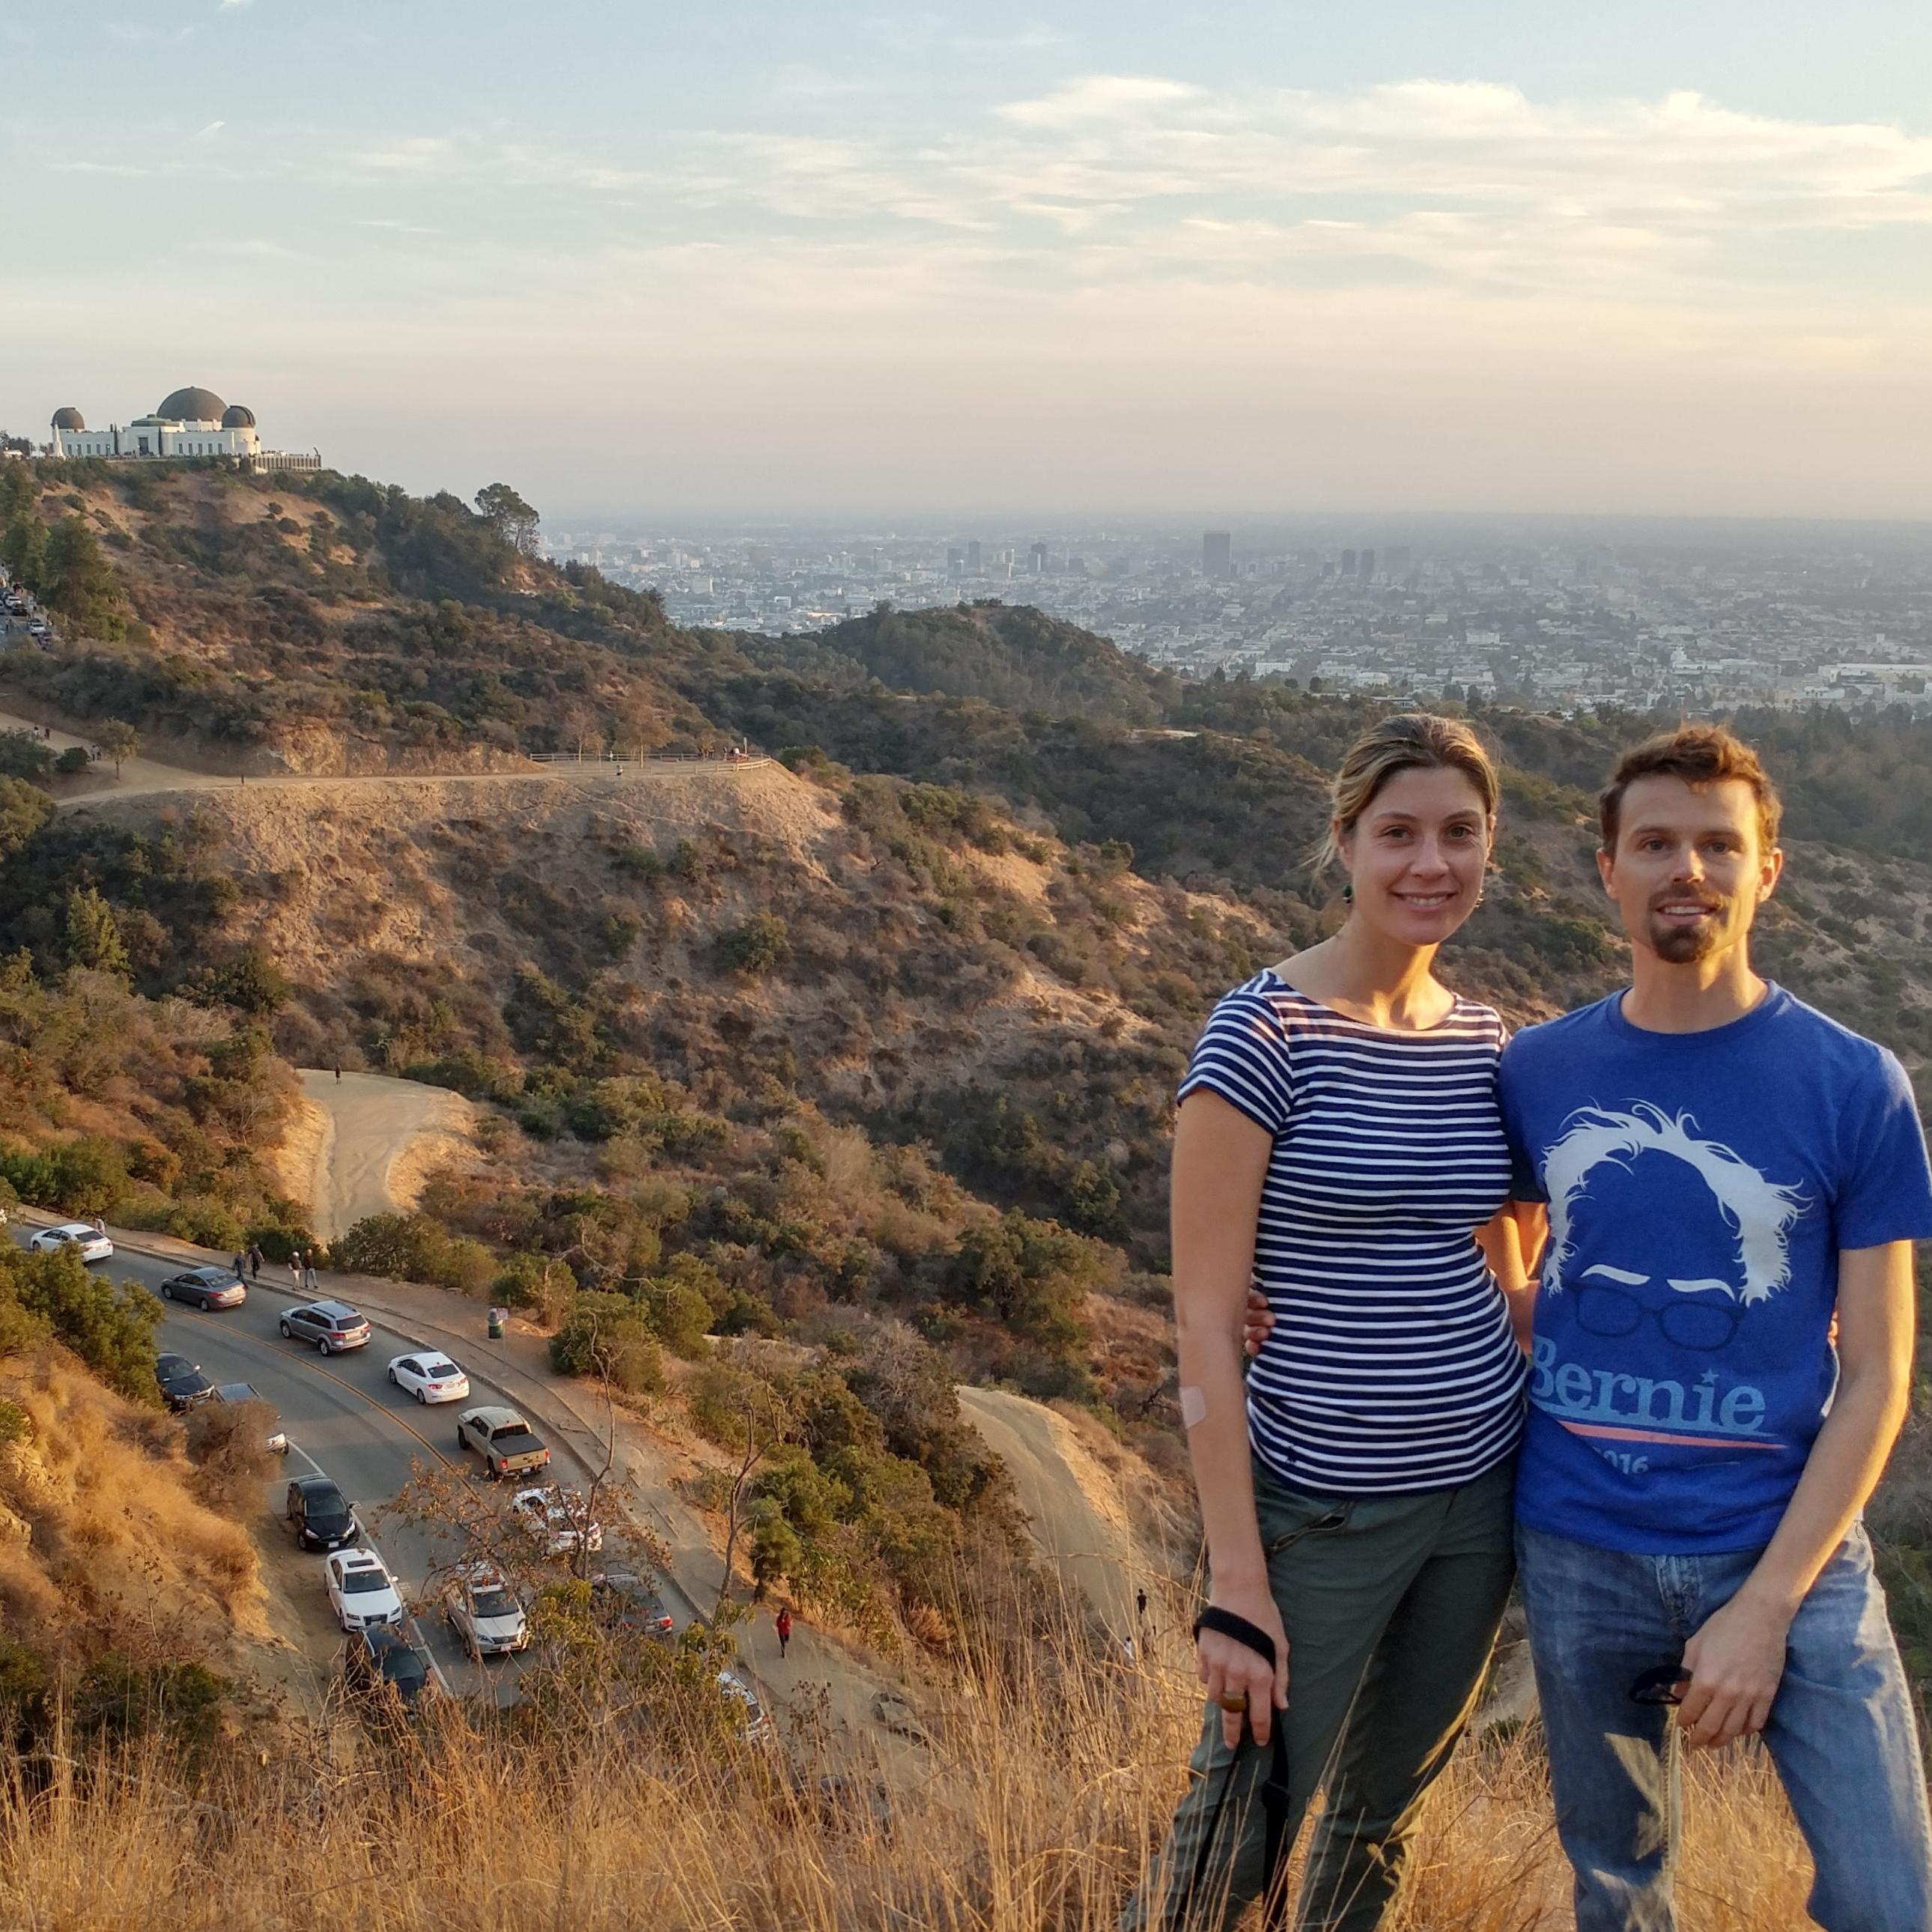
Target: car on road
[[505, 1442], [755, 1725], [382, 1657], [332, 1326], [238, 1393], [483, 1610], [183, 1384], [622, 1599], [93, 1245], [430, 1378], [204, 1288], [321, 1514], [362, 1592], [556, 1519]]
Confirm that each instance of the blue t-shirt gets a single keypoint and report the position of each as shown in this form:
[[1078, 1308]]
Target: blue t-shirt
[[1701, 1187]]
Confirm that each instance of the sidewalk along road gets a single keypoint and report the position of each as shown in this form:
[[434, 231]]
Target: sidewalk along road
[[569, 1416]]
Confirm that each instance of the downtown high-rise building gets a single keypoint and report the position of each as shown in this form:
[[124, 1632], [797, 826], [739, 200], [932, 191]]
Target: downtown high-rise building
[[1217, 553], [955, 563], [975, 566], [1348, 563], [1036, 560], [1368, 565]]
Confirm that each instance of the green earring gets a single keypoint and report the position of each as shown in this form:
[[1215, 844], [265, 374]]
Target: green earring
[[1348, 890]]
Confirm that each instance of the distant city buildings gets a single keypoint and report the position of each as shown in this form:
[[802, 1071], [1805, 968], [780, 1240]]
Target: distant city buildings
[[187, 422], [1472, 613]]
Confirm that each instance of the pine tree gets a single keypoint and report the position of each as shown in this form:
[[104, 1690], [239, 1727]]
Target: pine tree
[[93, 939], [80, 582]]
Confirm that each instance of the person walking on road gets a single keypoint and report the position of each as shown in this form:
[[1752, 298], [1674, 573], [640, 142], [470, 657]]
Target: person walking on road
[[237, 1261], [255, 1262], [296, 1269], [782, 1623], [309, 1281]]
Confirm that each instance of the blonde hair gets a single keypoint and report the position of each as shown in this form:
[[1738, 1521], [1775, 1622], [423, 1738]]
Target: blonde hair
[[1410, 741]]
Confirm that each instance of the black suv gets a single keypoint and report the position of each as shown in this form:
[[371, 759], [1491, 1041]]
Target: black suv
[[183, 1384], [622, 1598], [332, 1326], [381, 1654], [321, 1514]]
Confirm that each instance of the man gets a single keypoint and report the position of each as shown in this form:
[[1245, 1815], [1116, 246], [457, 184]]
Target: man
[[1728, 1173]]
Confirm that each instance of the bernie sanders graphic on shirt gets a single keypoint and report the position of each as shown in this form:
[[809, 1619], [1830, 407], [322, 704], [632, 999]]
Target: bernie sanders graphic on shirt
[[1700, 1189]]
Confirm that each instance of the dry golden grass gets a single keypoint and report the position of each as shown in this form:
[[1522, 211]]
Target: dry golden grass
[[112, 1545], [1052, 1774]]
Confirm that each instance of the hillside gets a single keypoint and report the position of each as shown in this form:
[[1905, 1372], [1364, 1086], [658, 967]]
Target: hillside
[[882, 1033]]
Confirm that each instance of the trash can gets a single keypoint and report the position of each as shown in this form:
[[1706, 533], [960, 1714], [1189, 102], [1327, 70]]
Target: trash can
[[498, 1319]]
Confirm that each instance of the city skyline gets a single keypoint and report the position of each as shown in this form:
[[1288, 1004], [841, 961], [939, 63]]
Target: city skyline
[[1067, 258]]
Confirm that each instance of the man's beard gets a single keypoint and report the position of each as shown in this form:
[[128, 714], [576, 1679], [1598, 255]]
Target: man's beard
[[1685, 945]]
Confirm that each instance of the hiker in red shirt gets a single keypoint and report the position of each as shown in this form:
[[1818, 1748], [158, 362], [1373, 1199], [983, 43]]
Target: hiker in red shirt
[[783, 1626]]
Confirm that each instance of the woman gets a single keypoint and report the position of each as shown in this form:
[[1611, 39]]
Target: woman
[[1338, 1140]]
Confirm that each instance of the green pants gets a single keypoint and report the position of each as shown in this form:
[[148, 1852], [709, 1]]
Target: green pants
[[1391, 1605]]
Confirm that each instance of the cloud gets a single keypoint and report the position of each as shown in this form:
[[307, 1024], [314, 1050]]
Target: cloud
[[213, 128], [1098, 96]]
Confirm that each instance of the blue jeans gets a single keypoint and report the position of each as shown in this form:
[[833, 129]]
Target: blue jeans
[[1841, 1731]]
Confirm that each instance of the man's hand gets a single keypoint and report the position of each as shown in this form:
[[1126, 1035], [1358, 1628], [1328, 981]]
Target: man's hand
[[1736, 1662], [1257, 1323]]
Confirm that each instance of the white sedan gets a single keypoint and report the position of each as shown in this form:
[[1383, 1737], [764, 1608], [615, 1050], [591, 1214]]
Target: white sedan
[[430, 1378], [362, 1592], [93, 1244], [559, 1520]]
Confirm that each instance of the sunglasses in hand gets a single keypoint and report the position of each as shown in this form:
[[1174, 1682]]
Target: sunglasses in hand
[[1665, 1684]]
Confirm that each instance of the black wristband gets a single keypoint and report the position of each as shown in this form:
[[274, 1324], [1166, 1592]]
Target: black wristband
[[1226, 1623]]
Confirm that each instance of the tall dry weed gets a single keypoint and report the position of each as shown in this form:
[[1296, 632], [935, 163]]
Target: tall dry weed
[[1052, 1769]]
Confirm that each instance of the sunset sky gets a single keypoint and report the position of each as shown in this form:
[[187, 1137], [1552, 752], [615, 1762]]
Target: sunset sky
[[1093, 258]]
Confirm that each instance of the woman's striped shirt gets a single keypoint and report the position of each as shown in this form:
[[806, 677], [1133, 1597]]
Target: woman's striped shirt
[[1392, 1367]]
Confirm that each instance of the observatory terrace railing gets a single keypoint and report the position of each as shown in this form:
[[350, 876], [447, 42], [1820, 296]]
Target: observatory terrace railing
[[607, 760]]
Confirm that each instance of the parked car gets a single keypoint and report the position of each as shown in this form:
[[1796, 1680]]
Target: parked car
[[430, 1378], [241, 1392], [362, 1592], [754, 1724], [383, 1657], [482, 1609], [321, 1514], [622, 1598], [332, 1326], [183, 1384], [504, 1441], [205, 1288], [557, 1520], [93, 1244]]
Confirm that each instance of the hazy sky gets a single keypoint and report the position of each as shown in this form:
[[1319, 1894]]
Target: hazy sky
[[1082, 256]]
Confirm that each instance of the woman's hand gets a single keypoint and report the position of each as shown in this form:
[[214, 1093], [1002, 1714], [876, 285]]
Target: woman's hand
[[1257, 1322], [1228, 1668]]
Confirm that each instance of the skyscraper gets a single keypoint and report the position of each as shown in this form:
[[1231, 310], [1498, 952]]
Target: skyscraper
[[1036, 560], [1348, 563], [974, 566], [1217, 553], [1368, 565], [956, 563]]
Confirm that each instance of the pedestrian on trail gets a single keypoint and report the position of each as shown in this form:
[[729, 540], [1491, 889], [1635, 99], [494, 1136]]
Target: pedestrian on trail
[[338, 1072], [783, 1624], [99, 1226], [309, 1281], [295, 1267], [255, 1262], [236, 1262]]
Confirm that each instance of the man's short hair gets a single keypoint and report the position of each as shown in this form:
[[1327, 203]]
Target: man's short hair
[[1699, 754]]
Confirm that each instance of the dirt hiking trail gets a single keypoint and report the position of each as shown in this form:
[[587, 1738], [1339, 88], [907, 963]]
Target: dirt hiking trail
[[369, 1142]]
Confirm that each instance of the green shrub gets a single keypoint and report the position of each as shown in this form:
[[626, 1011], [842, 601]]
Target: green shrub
[[757, 946], [16, 1425], [110, 1328], [604, 1336]]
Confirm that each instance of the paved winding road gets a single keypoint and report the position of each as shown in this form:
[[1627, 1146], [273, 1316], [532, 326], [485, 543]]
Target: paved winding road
[[343, 1417]]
